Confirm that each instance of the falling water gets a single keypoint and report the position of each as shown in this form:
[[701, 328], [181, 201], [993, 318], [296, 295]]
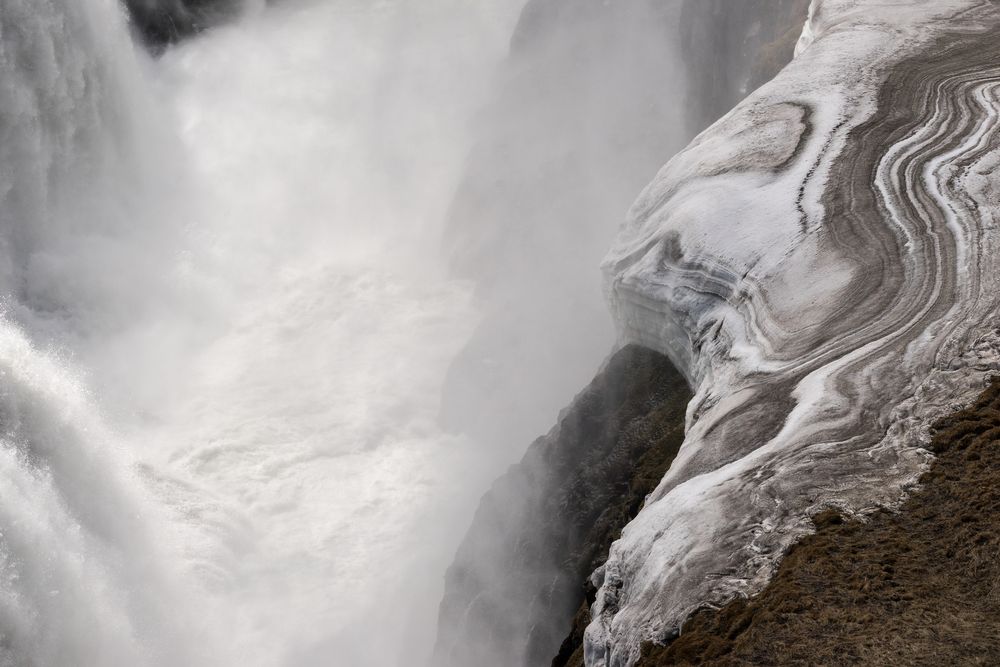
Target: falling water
[[226, 330], [82, 580]]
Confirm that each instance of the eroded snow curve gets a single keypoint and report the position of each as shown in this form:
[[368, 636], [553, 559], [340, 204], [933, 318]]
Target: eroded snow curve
[[822, 265]]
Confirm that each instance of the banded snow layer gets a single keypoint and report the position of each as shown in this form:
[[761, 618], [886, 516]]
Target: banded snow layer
[[822, 264]]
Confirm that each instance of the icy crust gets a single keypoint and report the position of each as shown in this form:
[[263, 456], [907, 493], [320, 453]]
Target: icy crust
[[824, 272]]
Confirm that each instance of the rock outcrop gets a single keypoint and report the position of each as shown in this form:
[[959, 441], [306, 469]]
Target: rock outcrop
[[161, 22], [520, 573]]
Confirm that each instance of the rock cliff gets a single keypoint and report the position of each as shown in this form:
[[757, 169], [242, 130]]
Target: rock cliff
[[521, 572], [519, 584]]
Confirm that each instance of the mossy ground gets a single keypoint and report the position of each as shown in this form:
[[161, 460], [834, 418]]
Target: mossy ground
[[920, 586], [652, 431]]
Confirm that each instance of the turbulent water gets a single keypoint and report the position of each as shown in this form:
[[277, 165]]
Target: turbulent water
[[226, 329]]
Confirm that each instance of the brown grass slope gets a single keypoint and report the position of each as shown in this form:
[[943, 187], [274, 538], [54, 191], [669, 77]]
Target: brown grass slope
[[916, 587]]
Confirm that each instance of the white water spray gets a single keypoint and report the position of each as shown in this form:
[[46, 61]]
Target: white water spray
[[81, 580], [238, 269]]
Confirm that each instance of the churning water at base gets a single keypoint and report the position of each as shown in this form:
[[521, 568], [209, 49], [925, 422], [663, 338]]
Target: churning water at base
[[227, 330]]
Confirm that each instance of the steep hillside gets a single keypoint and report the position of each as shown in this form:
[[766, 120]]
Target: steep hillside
[[914, 587]]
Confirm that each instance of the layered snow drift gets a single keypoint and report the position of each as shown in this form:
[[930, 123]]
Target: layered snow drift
[[822, 266]]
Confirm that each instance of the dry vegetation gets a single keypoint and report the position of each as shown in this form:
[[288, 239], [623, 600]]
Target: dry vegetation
[[645, 415], [917, 587]]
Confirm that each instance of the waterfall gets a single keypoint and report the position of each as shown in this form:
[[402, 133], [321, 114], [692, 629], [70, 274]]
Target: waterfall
[[77, 129], [83, 579], [225, 326]]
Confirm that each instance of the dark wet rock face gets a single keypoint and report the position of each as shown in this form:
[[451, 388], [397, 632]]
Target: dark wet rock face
[[162, 22], [520, 574], [917, 587], [591, 104], [735, 47]]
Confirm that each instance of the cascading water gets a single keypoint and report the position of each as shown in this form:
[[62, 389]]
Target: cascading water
[[81, 580], [226, 331]]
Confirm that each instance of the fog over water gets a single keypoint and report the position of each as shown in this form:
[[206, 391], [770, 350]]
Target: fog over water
[[227, 327], [323, 141], [245, 311]]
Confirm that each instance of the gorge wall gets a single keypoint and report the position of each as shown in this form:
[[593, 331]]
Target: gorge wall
[[585, 107], [545, 525], [561, 157], [593, 98], [732, 48]]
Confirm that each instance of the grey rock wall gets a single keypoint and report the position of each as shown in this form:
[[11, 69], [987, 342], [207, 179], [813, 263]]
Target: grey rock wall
[[520, 573]]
